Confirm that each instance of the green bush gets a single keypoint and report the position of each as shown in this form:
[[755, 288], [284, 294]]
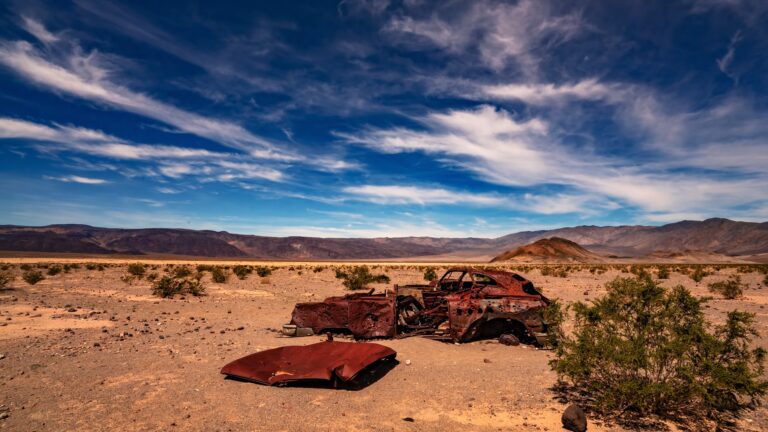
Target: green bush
[[729, 289], [32, 276], [181, 272], [241, 271], [263, 271], [205, 267], [359, 278], [698, 274], [644, 350], [5, 278], [169, 287], [663, 272], [137, 269], [54, 270], [430, 274], [218, 275]]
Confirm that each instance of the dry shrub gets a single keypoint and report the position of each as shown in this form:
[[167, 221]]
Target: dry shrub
[[643, 350], [359, 277], [729, 289], [32, 276]]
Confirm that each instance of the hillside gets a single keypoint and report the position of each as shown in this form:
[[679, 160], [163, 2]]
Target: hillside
[[554, 249], [717, 236]]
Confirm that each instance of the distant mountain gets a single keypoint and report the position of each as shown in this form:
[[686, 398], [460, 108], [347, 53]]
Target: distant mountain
[[553, 249], [719, 236]]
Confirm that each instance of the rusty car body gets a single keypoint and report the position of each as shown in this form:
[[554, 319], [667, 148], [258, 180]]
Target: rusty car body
[[465, 304]]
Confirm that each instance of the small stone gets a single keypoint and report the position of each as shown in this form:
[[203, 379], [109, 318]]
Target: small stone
[[486, 360], [574, 419], [409, 419], [96, 344], [509, 339], [408, 362], [2, 356]]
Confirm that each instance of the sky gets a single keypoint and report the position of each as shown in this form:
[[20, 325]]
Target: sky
[[377, 118]]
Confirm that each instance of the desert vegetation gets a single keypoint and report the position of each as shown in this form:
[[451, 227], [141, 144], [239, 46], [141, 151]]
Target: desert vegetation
[[645, 350], [729, 289], [359, 277], [32, 276]]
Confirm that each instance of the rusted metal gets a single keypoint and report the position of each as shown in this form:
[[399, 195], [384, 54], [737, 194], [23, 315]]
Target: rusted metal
[[365, 316], [335, 363], [465, 304]]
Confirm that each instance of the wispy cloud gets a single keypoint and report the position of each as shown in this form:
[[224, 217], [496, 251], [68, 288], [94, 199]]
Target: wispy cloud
[[172, 161], [78, 179], [497, 147], [724, 62], [398, 194], [87, 76], [495, 32]]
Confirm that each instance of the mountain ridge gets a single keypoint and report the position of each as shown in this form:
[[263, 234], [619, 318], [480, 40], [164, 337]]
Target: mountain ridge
[[716, 235]]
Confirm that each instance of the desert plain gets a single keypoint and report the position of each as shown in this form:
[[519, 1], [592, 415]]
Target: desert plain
[[90, 350]]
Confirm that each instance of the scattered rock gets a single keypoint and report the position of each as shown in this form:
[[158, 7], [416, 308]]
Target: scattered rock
[[409, 419], [486, 360], [509, 339], [2, 356], [408, 362], [574, 419]]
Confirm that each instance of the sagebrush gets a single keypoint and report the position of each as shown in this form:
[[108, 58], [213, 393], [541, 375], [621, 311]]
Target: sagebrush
[[646, 350]]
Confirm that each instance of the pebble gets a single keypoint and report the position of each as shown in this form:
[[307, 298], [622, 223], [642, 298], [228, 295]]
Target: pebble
[[408, 362]]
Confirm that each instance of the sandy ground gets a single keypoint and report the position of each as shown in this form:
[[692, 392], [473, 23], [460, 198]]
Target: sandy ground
[[87, 351]]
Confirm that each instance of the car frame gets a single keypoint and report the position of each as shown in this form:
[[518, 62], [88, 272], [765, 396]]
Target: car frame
[[466, 303]]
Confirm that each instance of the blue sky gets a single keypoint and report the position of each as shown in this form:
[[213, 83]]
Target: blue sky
[[382, 118]]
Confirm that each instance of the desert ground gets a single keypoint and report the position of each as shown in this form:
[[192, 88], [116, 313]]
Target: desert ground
[[88, 350]]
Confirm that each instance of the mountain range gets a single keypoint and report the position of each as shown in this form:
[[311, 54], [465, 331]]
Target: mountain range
[[717, 235]]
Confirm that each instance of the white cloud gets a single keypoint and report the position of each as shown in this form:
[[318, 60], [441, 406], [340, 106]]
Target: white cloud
[[38, 30], [398, 194], [87, 77], [499, 148], [78, 179], [497, 32], [173, 161], [724, 62], [545, 93]]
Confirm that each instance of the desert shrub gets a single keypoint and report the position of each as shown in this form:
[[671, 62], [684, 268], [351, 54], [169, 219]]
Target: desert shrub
[[663, 272], [241, 271], [32, 276], [218, 275], [765, 280], [430, 274], [340, 273], [644, 350], [318, 269], [25, 267], [205, 267], [263, 271], [152, 277], [181, 272], [136, 269], [54, 270], [698, 274], [729, 289], [554, 316], [74, 266], [5, 278], [359, 277], [168, 286]]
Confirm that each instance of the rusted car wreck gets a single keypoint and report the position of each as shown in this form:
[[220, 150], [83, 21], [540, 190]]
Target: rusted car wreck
[[465, 304]]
